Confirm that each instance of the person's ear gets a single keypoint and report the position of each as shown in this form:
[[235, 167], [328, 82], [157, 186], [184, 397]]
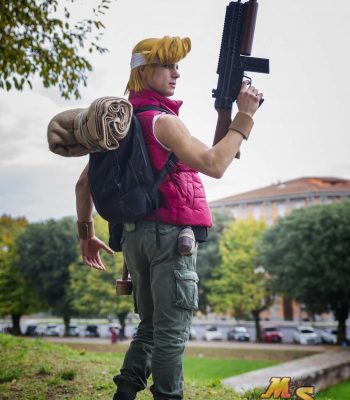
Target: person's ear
[[142, 70]]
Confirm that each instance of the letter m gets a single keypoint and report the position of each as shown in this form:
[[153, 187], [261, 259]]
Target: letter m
[[279, 388]]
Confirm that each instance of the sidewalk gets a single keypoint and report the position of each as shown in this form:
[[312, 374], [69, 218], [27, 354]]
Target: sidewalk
[[320, 370]]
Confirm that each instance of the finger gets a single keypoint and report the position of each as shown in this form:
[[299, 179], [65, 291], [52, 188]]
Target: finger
[[94, 264], [91, 263], [244, 85], [252, 89], [100, 264], [86, 261], [107, 248]]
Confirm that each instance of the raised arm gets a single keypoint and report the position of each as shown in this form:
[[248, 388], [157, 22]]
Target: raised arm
[[90, 245], [173, 133]]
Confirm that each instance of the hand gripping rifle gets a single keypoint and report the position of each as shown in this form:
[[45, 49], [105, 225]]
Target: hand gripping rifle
[[235, 51]]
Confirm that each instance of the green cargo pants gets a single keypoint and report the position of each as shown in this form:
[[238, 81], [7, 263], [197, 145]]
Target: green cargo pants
[[165, 293]]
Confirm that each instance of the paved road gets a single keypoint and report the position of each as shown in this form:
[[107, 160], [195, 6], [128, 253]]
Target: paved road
[[202, 343]]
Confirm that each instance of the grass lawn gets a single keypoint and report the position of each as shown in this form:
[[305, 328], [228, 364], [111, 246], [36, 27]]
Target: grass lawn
[[337, 392], [39, 370]]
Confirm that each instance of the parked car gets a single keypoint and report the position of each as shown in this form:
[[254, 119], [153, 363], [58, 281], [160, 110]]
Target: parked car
[[52, 330], [193, 334], [34, 330], [92, 331], [306, 335], [271, 334], [73, 330], [239, 333], [329, 336], [212, 333]]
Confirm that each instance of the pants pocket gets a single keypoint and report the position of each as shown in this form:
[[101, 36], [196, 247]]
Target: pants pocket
[[186, 289]]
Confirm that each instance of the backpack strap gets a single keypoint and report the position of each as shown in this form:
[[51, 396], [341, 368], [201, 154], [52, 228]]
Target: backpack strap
[[172, 160], [150, 108], [170, 164]]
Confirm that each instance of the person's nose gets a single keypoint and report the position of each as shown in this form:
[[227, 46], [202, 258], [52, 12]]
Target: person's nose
[[175, 73]]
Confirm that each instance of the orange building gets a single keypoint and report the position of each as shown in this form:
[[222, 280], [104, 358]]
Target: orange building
[[274, 201]]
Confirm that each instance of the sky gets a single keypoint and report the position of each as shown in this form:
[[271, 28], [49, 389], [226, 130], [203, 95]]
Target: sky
[[302, 128]]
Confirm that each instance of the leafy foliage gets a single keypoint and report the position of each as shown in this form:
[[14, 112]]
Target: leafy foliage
[[16, 297], [46, 250], [38, 38], [208, 256], [237, 284], [308, 254]]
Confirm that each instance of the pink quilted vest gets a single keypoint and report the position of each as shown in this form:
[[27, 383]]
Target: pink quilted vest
[[182, 195]]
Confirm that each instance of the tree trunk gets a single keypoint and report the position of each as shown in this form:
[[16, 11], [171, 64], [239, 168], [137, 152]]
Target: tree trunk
[[256, 316], [16, 327], [341, 315], [66, 321]]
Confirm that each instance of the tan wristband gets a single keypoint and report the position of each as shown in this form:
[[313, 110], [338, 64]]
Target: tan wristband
[[86, 230], [243, 124]]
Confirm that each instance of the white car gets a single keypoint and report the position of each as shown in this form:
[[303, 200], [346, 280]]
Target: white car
[[306, 335], [212, 333], [193, 334], [52, 330], [239, 333], [329, 336]]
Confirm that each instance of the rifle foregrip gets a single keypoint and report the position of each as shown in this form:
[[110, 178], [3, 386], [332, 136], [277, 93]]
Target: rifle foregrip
[[250, 15]]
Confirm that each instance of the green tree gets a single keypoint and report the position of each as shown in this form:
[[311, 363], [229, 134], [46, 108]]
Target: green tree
[[37, 37], [308, 254], [16, 296], [46, 250], [238, 283], [93, 292], [208, 256]]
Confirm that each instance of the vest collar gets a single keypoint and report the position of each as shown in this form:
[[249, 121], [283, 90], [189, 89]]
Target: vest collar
[[146, 97]]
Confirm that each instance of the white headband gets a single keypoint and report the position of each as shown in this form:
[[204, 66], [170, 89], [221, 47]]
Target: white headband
[[138, 59]]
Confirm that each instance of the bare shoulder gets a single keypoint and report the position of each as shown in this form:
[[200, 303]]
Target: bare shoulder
[[171, 131]]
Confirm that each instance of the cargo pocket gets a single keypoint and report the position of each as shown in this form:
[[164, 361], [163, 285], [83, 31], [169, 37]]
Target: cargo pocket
[[186, 289]]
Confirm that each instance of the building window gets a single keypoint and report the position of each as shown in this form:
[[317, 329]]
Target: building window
[[299, 204], [327, 200], [234, 212], [268, 213], [281, 209], [257, 212], [244, 212]]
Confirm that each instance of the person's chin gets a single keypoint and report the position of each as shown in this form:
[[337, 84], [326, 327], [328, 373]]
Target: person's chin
[[167, 92], [171, 91]]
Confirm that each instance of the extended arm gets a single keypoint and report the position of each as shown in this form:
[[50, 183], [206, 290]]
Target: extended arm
[[91, 245], [84, 202]]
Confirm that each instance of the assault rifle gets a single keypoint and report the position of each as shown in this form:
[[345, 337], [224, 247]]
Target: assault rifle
[[235, 51]]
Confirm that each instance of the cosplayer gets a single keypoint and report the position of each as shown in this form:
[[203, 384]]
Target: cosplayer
[[164, 281]]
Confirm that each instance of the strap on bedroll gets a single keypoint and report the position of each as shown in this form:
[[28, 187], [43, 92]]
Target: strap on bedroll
[[170, 164]]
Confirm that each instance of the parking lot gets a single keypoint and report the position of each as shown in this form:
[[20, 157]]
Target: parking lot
[[217, 331]]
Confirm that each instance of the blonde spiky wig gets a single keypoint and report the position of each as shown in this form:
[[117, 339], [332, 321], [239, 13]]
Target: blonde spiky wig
[[166, 50]]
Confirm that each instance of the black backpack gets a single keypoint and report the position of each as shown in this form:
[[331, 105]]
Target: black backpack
[[123, 184]]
